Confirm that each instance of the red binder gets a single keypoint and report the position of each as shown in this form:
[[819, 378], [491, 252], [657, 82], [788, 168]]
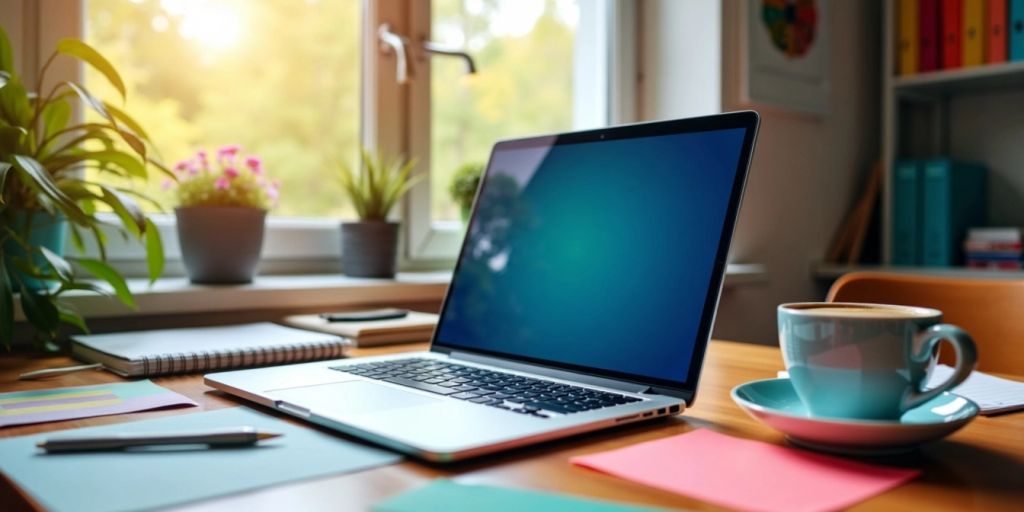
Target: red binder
[[952, 25], [995, 31], [928, 35]]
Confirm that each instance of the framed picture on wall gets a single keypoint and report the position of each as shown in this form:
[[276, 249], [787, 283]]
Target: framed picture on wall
[[788, 54]]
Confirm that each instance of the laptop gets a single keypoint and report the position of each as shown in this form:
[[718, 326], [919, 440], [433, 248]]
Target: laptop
[[583, 298]]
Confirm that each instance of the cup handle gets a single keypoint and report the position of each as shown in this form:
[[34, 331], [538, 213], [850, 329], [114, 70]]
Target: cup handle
[[966, 359]]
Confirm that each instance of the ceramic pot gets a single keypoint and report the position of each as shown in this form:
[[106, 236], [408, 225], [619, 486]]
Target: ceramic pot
[[369, 248], [220, 244], [44, 230]]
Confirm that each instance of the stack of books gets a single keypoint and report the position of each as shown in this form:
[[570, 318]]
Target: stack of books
[[411, 328], [934, 35], [994, 248]]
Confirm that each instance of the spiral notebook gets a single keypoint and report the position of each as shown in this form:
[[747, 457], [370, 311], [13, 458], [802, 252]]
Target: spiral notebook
[[167, 351]]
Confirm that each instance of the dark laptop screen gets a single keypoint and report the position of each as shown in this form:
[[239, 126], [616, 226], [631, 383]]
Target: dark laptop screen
[[598, 254]]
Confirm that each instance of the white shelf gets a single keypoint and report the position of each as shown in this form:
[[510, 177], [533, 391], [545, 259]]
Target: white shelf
[[975, 79]]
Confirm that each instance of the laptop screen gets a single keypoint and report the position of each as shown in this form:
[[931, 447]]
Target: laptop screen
[[601, 251]]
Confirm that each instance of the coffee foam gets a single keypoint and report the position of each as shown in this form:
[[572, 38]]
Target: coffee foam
[[862, 311]]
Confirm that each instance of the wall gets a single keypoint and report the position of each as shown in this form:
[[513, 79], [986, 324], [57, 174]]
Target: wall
[[806, 170]]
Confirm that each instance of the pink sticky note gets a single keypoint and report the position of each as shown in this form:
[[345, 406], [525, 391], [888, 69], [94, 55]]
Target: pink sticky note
[[747, 475]]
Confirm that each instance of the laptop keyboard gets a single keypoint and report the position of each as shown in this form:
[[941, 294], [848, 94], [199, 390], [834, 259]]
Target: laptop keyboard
[[515, 393]]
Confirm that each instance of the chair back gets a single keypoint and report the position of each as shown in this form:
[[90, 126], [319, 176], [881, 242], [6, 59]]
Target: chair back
[[992, 310]]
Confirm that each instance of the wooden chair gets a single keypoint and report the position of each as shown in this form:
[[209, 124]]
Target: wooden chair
[[992, 310]]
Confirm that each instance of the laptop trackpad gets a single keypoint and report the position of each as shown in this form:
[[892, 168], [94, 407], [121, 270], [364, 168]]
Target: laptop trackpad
[[353, 397]]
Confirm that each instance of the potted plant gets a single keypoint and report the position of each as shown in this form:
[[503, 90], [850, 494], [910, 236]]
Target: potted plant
[[369, 247], [46, 195], [222, 208], [462, 188]]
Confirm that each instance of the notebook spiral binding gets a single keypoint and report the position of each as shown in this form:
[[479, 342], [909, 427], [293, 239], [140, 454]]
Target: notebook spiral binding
[[189, 362]]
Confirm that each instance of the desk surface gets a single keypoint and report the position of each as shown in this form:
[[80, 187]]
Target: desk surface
[[980, 467]]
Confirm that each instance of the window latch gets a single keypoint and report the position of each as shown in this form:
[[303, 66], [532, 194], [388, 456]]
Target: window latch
[[393, 42]]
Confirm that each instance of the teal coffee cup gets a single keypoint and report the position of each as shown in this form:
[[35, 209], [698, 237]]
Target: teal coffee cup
[[867, 361]]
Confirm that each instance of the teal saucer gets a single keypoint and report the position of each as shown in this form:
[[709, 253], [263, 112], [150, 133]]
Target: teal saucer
[[775, 402]]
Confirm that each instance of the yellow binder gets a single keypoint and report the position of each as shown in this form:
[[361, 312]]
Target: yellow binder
[[907, 39], [974, 32]]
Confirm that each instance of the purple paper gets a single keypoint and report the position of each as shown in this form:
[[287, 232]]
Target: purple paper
[[42, 405]]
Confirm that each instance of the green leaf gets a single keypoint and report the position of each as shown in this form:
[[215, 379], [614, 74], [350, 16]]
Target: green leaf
[[4, 167], [6, 303], [55, 117], [92, 102], [6, 56], [70, 316], [40, 311], [60, 265], [154, 251], [108, 274], [84, 52], [35, 176], [127, 120], [136, 144], [127, 209], [4, 77], [119, 158], [15, 108]]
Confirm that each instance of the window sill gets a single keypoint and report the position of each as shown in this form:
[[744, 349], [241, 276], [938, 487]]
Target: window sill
[[179, 296]]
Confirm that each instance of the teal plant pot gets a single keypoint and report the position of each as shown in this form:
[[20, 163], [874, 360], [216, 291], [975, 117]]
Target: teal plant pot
[[44, 230]]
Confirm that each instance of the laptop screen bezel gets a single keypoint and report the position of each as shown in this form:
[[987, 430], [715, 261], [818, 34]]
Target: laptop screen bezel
[[746, 120]]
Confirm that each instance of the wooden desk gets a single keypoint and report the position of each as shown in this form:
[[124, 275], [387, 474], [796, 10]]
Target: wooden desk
[[979, 468]]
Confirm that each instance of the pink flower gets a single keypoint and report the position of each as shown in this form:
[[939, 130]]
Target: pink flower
[[222, 183], [167, 184], [231, 172], [182, 166], [254, 164], [229, 150], [201, 154]]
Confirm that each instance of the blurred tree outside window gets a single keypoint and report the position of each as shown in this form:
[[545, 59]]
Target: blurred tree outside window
[[281, 78]]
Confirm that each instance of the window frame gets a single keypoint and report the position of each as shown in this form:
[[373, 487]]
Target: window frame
[[395, 118]]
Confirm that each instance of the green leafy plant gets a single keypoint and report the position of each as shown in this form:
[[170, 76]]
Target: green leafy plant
[[462, 188], [44, 155], [378, 185]]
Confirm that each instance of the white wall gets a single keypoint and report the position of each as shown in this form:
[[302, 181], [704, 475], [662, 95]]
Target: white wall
[[806, 171]]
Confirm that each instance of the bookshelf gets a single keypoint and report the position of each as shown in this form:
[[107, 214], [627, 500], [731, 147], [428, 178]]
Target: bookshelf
[[920, 113]]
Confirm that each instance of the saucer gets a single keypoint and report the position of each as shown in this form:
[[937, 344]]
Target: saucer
[[775, 402]]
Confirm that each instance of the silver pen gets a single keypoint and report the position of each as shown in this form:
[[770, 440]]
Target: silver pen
[[240, 436]]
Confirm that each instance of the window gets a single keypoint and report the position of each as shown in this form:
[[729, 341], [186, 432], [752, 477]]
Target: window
[[304, 83]]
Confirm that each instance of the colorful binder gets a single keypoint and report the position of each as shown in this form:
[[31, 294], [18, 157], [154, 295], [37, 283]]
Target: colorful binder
[[1016, 26], [906, 205], [995, 31], [928, 35], [907, 38], [974, 32], [952, 26], [953, 199]]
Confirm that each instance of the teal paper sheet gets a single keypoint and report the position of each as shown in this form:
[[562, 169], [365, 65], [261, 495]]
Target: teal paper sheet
[[115, 481], [454, 497]]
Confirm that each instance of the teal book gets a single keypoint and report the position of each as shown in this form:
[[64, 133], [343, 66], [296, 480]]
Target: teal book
[[954, 198], [906, 211], [1016, 27]]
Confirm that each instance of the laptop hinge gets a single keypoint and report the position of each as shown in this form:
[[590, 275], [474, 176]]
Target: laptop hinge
[[605, 382]]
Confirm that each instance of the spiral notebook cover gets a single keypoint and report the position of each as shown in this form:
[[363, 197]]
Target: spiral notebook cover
[[165, 351]]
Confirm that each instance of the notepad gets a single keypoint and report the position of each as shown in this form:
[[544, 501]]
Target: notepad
[[414, 327], [747, 475], [992, 394], [156, 479], [167, 351], [455, 497]]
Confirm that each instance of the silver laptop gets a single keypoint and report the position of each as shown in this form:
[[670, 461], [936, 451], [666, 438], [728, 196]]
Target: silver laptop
[[583, 298]]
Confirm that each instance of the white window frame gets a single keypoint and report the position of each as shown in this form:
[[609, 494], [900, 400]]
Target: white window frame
[[395, 118]]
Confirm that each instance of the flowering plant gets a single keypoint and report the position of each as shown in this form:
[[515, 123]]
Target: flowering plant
[[228, 180]]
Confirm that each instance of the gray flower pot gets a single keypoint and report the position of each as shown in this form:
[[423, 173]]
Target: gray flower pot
[[369, 248], [220, 244]]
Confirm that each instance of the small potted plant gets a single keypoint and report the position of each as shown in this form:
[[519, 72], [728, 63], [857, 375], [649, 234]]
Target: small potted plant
[[47, 199], [222, 208], [369, 247], [462, 188]]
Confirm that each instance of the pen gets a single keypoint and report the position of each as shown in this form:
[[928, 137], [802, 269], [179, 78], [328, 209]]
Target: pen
[[240, 436], [50, 372]]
